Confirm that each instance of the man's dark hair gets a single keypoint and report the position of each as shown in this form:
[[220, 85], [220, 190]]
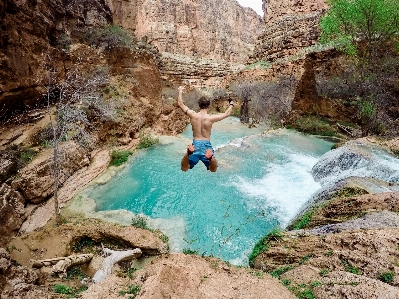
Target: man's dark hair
[[203, 102]]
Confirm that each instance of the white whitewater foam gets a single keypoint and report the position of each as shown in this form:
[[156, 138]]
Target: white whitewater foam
[[285, 187]]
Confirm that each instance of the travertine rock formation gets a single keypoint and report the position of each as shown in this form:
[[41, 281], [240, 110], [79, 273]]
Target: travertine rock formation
[[190, 276], [289, 26], [208, 29], [36, 182]]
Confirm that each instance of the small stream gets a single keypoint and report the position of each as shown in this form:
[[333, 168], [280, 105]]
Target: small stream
[[261, 183]]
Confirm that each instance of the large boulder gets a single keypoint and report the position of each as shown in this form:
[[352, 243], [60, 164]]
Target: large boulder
[[36, 181], [11, 212]]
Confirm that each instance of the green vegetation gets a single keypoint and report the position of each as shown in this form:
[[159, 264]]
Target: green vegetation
[[386, 277], [133, 290], [350, 268], [84, 243], [69, 291], [375, 22], [235, 112], [147, 140], [264, 65], [189, 251], [75, 272], [305, 259], [314, 284], [306, 294], [314, 125], [329, 253], [286, 282], [109, 36], [27, 156], [347, 192], [119, 157], [280, 271], [303, 221], [257, 273], [140, 221], [63, 289], [263, 244], [130, 272], [323, 272]]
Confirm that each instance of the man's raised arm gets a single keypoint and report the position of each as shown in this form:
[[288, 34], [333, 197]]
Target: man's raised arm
[[180, 100]]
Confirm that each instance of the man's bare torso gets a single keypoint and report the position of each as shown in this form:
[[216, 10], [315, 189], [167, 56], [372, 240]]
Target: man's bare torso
[[201, 123]]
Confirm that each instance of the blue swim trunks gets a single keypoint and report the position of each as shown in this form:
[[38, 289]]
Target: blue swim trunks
[[200, 147]]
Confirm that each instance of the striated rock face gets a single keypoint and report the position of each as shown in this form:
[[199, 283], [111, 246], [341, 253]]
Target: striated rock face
[[196, 72], [290, 26], [208, 29], [36, 181]]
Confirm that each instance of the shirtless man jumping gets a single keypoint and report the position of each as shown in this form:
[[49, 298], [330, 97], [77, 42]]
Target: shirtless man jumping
[[201, 148]]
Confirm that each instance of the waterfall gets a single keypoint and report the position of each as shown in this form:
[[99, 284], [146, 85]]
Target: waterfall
[[356, 159]]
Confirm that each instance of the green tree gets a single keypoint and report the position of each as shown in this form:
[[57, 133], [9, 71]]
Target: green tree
[[110, 36], [360, 27]]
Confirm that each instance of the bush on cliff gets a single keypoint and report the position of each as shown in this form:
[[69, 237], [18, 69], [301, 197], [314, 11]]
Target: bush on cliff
[[109, 36], [367, 31], [264, 243], [361, 27]]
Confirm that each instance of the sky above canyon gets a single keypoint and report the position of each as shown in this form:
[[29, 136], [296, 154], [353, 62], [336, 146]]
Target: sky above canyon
[[256, 5]]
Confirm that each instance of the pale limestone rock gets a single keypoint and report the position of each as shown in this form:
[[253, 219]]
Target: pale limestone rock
[[36, 181]]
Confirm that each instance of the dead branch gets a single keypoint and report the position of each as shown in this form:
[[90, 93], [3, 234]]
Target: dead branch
[[61, 264], [347, 130], [113, 258]]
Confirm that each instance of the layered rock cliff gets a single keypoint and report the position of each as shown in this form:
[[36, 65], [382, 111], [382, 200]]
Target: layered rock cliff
[[208, 29], [290, 26]]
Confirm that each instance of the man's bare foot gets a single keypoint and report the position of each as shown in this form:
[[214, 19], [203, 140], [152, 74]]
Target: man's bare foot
[[190, 149], [209, 154]]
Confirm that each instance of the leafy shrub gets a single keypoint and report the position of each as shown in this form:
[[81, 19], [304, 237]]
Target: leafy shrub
[[140, 221], [27, 156], [75, 272], [147, 140], [63, 289], [350, 268], [131, 290], [386, 277], [314, 125], [109, 36], [119, 157], [306, 294]]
